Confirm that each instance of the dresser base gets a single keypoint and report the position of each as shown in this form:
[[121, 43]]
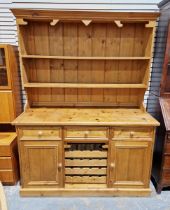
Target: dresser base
[[104, 192]]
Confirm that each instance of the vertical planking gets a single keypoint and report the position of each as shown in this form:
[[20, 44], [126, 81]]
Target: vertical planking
[[112, 67], [23, 32], [98, 49], [30, 46], [138, 67], [112, 49], [149, 41], [126, 49], [70, 66], [43, 65], [56, 66], [84, 67]]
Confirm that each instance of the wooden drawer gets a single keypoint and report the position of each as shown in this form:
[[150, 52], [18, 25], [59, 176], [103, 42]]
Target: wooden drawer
[[167, 148], [41, 133], [166, 162], [129, 132], [166, 176], [86, 133], [6, 176], [5, 163], [5, 150]]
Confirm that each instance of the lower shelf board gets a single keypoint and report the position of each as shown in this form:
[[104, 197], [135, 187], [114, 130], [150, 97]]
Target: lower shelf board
[[93, 192]]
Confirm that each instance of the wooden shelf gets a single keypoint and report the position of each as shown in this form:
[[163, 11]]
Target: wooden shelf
[[84, 57], [82, 85]]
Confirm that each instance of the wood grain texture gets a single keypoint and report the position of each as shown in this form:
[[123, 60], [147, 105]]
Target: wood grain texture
[[85, 64], [9, 167], [10, 95], [85, 116], [92, 135]]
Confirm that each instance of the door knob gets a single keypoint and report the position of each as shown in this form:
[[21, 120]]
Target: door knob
[[112, 165], [59, 166]]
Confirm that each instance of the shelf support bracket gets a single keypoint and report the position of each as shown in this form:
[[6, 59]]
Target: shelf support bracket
[[150, 24], [118, 23], [21, 21], [54, 22], [86, 22]]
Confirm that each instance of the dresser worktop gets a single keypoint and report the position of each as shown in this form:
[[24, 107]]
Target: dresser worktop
[[85, 116]]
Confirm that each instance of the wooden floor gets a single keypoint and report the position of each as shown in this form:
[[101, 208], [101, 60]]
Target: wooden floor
[[85, 116]]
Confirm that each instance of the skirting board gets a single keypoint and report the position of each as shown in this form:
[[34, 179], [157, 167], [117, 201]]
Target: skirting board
[[107, 192]]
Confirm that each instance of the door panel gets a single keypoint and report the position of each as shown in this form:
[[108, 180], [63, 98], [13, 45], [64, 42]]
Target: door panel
[[7, 108], [130, 164], [41, 163]]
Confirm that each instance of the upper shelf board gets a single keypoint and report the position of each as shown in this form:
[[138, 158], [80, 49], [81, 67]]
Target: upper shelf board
[[85, 15], [84, 57]]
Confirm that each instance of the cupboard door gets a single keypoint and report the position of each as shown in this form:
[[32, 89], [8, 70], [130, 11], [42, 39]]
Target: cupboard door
[[7, 113], [130, 164], [41, 163]]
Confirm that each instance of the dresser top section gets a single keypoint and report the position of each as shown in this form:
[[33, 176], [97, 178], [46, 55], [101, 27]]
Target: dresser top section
[[7, 138], [95, 15], [85, 116]]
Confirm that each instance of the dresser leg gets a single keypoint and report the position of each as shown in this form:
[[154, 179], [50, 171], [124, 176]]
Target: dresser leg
[[159, 188]]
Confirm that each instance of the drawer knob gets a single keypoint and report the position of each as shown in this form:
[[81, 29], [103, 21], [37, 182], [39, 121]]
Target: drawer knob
[[132, 134], [86, 133], [40, 133]]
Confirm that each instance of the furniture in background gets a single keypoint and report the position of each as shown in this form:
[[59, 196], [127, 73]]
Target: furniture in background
[[9, 172], [10, 108], [85, 130], [161, 160], [10, 100]]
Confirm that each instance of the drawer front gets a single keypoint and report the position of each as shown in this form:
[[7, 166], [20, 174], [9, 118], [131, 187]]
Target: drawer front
[[86, 133], [167, 162], [5, 150], [167, 147], [129, 132], [6, 176], [5, 163], [40, 133], [166, 177]]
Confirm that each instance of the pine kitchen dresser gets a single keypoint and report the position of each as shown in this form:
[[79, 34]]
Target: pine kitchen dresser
[[85, 131]]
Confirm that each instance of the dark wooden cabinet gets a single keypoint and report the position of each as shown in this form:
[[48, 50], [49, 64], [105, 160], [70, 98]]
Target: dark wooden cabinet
[[161, 158]]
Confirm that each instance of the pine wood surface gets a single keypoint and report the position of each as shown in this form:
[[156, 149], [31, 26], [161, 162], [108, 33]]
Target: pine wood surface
[[85, 190], [85, 127], [7, 138], [9, 173], [10, 95], [99, 64], [85, 116], [80, 15]]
